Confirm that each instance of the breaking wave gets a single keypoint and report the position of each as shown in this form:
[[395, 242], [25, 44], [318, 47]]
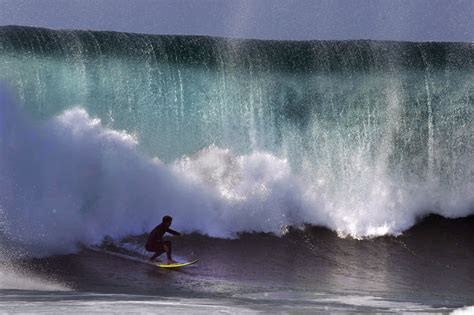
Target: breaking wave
[[111, 131]]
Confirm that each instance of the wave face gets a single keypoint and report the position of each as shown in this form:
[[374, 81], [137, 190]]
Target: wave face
[[360, 136]]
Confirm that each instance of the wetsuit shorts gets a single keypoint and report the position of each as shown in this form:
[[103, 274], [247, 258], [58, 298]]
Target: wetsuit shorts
[[156, 246]]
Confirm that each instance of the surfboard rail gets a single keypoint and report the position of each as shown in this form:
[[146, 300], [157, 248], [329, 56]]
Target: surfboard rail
[[177, 265]]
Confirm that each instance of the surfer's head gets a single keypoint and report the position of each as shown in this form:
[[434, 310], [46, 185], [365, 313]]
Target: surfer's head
[[167, 220]]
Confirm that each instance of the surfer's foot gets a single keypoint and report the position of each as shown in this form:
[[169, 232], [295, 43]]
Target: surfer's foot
[[171, 261]]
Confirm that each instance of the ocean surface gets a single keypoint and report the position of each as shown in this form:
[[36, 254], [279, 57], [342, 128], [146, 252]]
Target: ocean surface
[[308, 176]]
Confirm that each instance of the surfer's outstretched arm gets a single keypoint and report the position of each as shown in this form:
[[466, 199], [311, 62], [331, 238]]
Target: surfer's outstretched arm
[[173, 232]]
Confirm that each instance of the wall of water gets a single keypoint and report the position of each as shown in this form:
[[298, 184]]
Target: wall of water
[[377, 131]]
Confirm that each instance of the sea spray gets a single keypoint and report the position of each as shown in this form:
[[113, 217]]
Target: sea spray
[[71, 180], [12, 279]]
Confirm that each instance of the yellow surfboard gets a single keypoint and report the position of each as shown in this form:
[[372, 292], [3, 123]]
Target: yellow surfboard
[[177, 265]]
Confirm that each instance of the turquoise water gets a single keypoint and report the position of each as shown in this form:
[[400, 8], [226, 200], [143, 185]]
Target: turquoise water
[[179, 94]]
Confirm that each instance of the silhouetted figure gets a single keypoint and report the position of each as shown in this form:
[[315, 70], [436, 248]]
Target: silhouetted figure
[[155, 241]]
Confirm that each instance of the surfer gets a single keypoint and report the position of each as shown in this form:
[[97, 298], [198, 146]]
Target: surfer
[[155, 241]]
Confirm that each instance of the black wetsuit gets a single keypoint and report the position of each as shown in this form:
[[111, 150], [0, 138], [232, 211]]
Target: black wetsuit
[[155, 241]]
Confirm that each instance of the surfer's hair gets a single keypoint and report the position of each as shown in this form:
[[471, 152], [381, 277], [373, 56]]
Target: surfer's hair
[[167, 218]]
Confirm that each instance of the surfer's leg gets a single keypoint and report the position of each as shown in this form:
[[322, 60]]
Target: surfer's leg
[[157, 253], [167, 246], [158, 249]]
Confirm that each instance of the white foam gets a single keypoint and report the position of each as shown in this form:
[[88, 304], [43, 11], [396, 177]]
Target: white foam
[[117, 303], [328, 299], [71, 180], [468, 310]]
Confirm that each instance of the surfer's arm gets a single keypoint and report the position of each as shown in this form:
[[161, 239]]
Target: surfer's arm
[[173, 232]]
